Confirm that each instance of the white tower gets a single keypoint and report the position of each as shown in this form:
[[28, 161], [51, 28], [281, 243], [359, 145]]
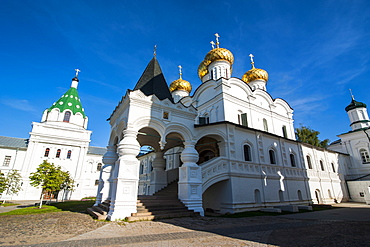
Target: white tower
[[357, 114]]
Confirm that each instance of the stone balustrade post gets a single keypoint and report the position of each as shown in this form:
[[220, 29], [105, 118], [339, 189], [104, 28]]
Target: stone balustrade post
[[126, 177], [190, 179]]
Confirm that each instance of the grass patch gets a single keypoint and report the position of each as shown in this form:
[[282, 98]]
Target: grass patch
[[72, 206], [7, 204], [33, 210]]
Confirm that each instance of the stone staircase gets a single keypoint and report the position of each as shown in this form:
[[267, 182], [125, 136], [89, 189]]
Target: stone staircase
[[163, 204]]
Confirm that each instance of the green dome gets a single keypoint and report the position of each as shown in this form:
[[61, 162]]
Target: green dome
[[355, 104], [69, 101]]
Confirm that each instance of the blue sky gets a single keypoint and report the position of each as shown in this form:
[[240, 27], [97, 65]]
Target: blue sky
[[313, 50]]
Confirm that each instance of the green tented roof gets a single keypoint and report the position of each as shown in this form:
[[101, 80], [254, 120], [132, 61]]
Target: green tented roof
[[69, 101]]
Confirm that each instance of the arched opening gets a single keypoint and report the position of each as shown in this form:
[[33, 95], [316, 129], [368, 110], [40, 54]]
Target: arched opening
[[272, 156], [265, 125], [318, 196], [257, 196], [58, 153], [322, 165], [216, 195], [247, 152], [207, 148], [67, 116], [47, 151], [299, 195], [309, 164], [292, 160]]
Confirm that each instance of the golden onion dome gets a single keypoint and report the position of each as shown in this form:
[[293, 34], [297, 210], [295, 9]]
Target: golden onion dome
[[180, 84], [202, 70], [255, 74], [218, 54]]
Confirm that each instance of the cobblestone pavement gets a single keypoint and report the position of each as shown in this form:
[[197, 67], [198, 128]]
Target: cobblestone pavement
[[197, 231]]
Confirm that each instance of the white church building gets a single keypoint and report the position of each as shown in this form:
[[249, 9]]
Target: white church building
[[229, 147], [61, 138]]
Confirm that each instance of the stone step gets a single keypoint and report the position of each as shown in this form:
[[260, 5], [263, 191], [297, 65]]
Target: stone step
[[162, 212], [100, 210], [162, 216], [96, 214], [104, 206]]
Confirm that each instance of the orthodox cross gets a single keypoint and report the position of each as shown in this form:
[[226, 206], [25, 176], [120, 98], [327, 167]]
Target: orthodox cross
[[180, 71], [155, 51], [217, 41], [252, 61], [353, 97], [213, 44], [77, 71]]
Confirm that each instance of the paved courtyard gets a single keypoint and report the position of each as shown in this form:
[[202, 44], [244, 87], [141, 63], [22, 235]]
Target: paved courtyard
[[347, 225]]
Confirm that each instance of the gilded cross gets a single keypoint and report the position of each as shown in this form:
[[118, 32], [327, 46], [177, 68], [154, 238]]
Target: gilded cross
[[217, 41], [180, 71]]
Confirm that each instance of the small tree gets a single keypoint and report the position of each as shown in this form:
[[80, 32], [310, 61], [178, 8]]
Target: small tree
[[51, 178], [13, 183], [310, 136], [2, 183]]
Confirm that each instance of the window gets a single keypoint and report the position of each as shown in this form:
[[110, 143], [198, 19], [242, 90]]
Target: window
[[309, 164], [364, 156], [67, 116], [165, 115], [272, 157], [243, 119], [69, 153], [98, 168], [47, 151], [247, 153], [299, 195], [7, 160], [96, 182], [265, 126], [58, 153], [333, 167], [284, 132], [203, 120], [322, 165], [292, 160]]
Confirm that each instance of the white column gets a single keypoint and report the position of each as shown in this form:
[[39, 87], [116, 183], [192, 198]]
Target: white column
[[158, 177], [109, 159], [125, 181], [190, 179]]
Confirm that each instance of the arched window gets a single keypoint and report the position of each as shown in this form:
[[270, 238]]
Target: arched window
[[329, 193], [67, 116], [98, 168], [69, 153], [272, 156], [204, 119], [292, 160], [265, 126], [47, 151], [300, 195], [333, 167], [364, 156], [322, 165], [257, 196], [309, 164], [284, 131], [58, 154], [247, 153]]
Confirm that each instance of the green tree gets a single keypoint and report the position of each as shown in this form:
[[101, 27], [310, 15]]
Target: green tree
[[51, 179], [310, 136], [13, 183], [2, 183]]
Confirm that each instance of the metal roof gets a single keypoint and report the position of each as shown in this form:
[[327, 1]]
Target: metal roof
[[13, 142]]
